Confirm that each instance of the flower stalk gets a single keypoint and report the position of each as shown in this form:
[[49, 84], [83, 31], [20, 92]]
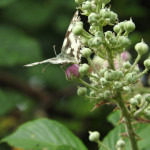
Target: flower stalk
[[127, 117]]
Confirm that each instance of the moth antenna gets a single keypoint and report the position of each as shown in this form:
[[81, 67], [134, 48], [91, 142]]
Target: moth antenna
[[45, 68], [54, 47]]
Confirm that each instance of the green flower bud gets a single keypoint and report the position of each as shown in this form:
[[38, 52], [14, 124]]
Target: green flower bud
[[106, 13], [124, 41], [133, 101], [126, 88], [117, 28], [103, 81], [94, 136], [141, 48], [103, 12], [129, 26], [147, 98], [120, 144], [93, 93], [147, 112], [84, 68], [136, 69], [108, 34], [147, 63], [119, 74], [113, 17], [86, 5], [97, 41], [98, 34], [130, 78], [93, 18], [92, 29], [110, 75], [81, 91], [121, 24], [78, 28], [86, 52], [127, 65], [84, 41], [138, 97], [117, 85], [107, 94], [79, 1]]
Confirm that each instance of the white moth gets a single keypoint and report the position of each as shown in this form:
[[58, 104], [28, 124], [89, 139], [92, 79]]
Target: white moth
[[70, 52]]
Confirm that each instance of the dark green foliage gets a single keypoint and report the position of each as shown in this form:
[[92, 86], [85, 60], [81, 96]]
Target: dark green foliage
[[28, 31]]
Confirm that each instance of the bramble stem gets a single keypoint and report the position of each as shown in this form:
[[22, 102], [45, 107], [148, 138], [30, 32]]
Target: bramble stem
[[93, 66], [87, 85], [141, 74], [135, 63], [104, 146], [126, 115]]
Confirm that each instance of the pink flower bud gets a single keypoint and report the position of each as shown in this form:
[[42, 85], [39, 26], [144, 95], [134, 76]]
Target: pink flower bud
[[125, 56], [73, 70]]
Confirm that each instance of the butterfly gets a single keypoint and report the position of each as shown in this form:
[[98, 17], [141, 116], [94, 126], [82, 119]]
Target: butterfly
[[70, 51]]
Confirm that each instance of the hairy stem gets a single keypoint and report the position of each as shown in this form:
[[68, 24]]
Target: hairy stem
[[126, 115]]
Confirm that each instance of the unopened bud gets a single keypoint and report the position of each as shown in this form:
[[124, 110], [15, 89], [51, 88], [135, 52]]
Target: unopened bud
[[129, 26], [78, 28], [84, 68], [86, 52], [81, 91], [147, 63], [94, 136], [79, 1], [141, 48]]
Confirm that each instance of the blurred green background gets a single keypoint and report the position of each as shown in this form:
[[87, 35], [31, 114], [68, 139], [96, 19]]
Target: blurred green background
[[28, 31]]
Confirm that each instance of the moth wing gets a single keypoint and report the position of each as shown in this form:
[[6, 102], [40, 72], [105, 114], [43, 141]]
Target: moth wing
[[72, 44], [55, 60], [52, 61]]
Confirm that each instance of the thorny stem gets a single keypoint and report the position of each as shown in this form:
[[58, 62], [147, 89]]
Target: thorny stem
[[126, 115]]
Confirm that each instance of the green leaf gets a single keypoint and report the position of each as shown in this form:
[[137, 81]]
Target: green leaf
[[4, 3], [29, 14], [16, 47], [111, 139], [114, 117], [44, 134], [142, 130]]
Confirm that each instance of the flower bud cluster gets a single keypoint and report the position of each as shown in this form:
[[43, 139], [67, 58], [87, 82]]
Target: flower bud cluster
[[107, 66], [140, 104]]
